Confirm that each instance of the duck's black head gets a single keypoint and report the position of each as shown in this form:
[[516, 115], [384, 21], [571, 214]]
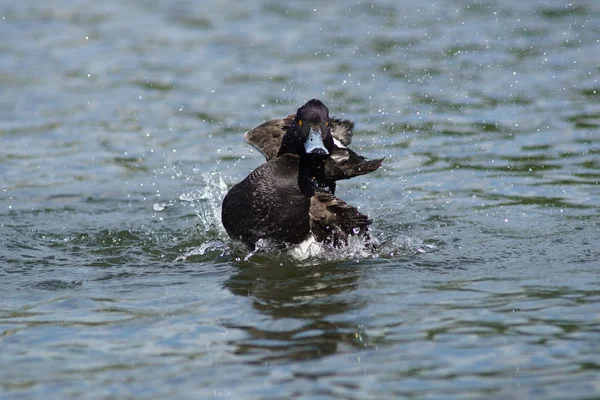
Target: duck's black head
[[309, 135]]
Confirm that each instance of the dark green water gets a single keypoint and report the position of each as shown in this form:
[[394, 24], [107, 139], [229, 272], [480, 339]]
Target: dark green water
[[121, 127]]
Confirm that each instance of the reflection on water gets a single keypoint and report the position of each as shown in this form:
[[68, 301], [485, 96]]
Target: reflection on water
[[300, 306]]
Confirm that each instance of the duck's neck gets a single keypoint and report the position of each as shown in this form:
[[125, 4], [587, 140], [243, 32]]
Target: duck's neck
[[313, 166], [312, 173]]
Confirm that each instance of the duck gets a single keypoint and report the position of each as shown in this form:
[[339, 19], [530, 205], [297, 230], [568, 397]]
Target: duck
[[288, 199], [343, 163]]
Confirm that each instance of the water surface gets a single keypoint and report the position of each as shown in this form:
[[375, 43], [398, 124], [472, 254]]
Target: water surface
[[121, 127]]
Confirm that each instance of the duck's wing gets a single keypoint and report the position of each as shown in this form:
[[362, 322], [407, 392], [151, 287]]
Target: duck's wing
[[345, 164], [332, 220], [266, 137], [341, 130]]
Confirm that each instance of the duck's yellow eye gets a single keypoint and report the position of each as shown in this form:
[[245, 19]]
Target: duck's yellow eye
[[300, 122], [327, 123]]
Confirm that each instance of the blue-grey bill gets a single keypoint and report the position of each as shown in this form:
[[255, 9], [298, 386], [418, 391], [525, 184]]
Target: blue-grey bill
[[314, 144]]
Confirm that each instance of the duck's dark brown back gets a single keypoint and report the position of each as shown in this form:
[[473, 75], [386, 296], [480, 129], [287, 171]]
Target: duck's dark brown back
[[269, 204]]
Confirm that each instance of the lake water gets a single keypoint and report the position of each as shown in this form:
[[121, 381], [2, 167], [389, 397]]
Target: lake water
[[121, 128]]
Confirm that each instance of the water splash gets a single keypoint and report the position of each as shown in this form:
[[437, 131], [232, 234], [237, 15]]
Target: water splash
[[402, 245], [162, 206], [214, 246], [209, 233], [210, 199], [311, 252]]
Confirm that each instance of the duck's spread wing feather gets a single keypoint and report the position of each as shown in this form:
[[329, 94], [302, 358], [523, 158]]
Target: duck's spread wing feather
[[333, 220], [345, 164], [341, 129], [266, 137]]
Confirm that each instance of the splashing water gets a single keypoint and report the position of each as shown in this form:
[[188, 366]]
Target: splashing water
[[217, 246], [210, 198], [311, 252], [162, 206]]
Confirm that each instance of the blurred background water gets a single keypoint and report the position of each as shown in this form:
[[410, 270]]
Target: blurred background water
[[121, 127]]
